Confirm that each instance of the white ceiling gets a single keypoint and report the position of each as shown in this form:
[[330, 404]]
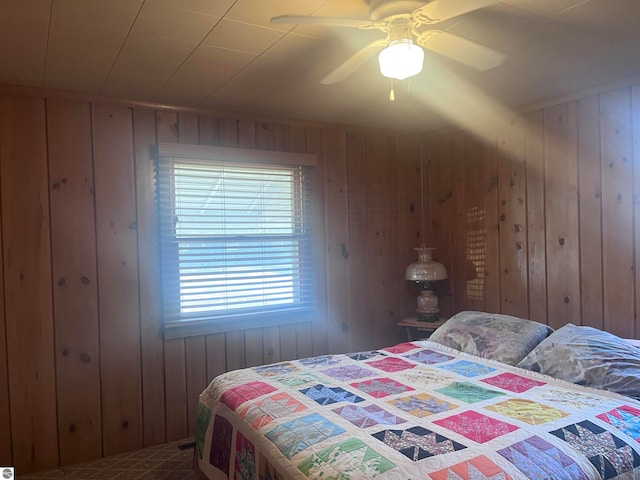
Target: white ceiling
[[224, 54]]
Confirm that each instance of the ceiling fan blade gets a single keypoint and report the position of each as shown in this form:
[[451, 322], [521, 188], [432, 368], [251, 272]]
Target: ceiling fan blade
[[328, 21], [462, 50], [439, 10], [353, 62]]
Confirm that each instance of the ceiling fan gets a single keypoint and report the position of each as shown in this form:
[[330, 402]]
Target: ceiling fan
[[406, 23]]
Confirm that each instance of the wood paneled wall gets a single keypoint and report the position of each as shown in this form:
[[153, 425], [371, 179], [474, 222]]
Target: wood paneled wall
[[84, 368], [538, 220], [542, 219]]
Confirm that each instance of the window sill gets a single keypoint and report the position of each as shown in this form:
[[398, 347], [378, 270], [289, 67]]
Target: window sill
[[191, 328]]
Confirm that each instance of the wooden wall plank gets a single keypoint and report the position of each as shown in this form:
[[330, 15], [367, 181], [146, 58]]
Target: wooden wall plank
[[117, 278], [175, 376], [360, 310], [635, 109], [196, 368], [6, 450], [208, 131], [382, 224], [216, 356], [75, 295], [491, 273], [617, 211], [561, 205], [334, 172], [27, 283], [536, 243], [151, 338], [513, 222], [441, 173], [590, 185]]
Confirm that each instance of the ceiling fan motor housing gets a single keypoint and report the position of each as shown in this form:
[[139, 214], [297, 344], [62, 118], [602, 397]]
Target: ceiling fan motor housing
[[381, 9]]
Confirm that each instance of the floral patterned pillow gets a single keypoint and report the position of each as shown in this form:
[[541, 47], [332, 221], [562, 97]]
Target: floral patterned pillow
[[588, 356], [490, 335]]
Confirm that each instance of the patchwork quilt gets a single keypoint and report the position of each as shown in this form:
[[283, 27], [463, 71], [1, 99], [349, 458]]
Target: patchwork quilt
[[414, 411]]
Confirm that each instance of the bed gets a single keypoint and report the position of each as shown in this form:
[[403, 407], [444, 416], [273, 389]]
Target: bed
[[456, 406]]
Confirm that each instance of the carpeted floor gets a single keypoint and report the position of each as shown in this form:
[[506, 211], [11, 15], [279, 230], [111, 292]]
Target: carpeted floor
[[161, 462]]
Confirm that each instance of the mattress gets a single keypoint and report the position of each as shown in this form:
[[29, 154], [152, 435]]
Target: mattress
[[417, 410]]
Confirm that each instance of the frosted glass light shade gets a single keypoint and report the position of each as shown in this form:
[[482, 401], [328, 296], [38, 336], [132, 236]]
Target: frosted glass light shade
[[425, 269], [401, 59]]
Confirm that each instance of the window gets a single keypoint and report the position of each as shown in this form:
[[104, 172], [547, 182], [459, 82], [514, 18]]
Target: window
[[235, 238]]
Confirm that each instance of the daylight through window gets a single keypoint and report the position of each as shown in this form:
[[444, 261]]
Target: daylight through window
[[236, 243]]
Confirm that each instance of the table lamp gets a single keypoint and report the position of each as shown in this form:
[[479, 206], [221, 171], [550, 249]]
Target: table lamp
[[426, 271]]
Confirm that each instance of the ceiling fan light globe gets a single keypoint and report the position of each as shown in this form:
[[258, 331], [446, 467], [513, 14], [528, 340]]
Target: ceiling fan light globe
[[401, 59]]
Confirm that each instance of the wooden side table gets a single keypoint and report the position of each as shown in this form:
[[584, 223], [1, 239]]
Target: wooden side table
[[414, 327]]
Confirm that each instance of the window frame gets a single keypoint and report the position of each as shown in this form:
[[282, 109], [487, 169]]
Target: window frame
[[168, 152]]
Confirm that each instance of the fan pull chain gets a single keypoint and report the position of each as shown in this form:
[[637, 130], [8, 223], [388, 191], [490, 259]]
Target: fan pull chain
[[392, 95]]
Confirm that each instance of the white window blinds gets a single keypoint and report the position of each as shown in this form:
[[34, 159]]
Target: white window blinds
[[235, 237]]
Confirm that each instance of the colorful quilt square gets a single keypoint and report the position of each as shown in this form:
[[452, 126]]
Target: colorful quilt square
[[366, 355], [574, 400], [512, 382], [429, 357], [355, 458], [610, 455], [527, 411], [294, 436], [327, 395], [381, 387], [426, 375], [468, 392], [235, 396], [348, 372], [369, 416], [422, 405], [626, 419], [476, 468], [537, 458], [476, 426], [391, 364], [320, 361], [266, 410], [276, 369], [245, 464], [400, 348], [417, 443], [468, 369], [220, 454], [297, 379]]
